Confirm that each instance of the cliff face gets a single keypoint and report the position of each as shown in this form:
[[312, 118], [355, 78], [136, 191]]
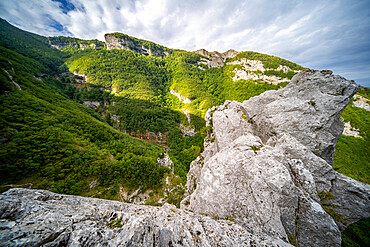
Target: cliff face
[[270, 164], [267, 166], [216, 59], [121, 41]]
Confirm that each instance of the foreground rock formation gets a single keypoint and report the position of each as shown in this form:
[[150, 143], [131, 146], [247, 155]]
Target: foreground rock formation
[[269, 164], [265, 178], [42, 218]]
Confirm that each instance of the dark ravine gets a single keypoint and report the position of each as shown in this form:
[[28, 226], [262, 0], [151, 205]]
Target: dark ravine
[[265, 179]]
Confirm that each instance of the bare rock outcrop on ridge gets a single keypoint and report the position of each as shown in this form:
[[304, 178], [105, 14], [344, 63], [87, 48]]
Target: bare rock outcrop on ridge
[[42, 218], [270, 164]]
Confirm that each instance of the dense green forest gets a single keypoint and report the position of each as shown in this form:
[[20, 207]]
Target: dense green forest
[[55, 143]]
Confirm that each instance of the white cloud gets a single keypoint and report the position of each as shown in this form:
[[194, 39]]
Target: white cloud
[[317, 34]]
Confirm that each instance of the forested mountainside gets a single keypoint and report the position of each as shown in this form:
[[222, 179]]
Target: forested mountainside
[[130, 88]]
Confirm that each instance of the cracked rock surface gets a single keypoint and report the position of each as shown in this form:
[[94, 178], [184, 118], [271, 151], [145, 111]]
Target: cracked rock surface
[[42, 218], [269, 166]]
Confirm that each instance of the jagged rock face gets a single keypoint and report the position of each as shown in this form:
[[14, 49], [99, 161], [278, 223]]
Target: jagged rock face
[[114, 42], [61, 45], [271, 159], [251, 70], [216, 59], [308, 108], [42, 218], [361, 102]]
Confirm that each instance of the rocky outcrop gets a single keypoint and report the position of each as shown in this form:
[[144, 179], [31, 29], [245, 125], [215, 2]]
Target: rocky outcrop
[[361, 102], [122, 41], [269, 163], [91, 104], [215, 59], [351, 131], [254, 70], [42, 218], [84, 46], [61, 45], [240, 74], [165, 161]]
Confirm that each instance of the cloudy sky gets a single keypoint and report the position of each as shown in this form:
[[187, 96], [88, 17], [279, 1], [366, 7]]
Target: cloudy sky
[[318, 34]]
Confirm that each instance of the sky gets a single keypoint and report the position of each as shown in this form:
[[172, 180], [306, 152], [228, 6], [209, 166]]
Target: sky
[[316, 34]]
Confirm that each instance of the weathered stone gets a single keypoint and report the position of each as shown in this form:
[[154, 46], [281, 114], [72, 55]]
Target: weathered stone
[[272, 158], [215, 59], [127, 43], [91, 104], [36, 217], [361, 102]]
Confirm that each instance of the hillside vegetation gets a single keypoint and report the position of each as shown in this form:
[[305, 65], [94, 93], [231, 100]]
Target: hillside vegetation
[[54, 143]]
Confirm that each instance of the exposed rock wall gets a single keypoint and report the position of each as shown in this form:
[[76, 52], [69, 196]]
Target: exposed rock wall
[[361, 102], [216, 59], [254, 69], [126, 43], [270, 164]]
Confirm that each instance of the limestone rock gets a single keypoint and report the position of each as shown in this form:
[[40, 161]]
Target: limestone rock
[[182, 98], [42, 218], [350, 131], [270, 165], [91, 104], [128, 43], [215, 59], [361, 102]]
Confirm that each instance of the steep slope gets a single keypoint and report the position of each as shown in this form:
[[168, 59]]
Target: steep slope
[[51, 142], [31, 46], [72, 45]]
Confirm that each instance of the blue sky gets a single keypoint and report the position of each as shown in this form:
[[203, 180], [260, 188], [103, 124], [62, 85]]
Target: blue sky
[[322, 34]]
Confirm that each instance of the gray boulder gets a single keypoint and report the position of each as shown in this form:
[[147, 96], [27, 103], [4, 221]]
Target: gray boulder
[[270, 164]]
